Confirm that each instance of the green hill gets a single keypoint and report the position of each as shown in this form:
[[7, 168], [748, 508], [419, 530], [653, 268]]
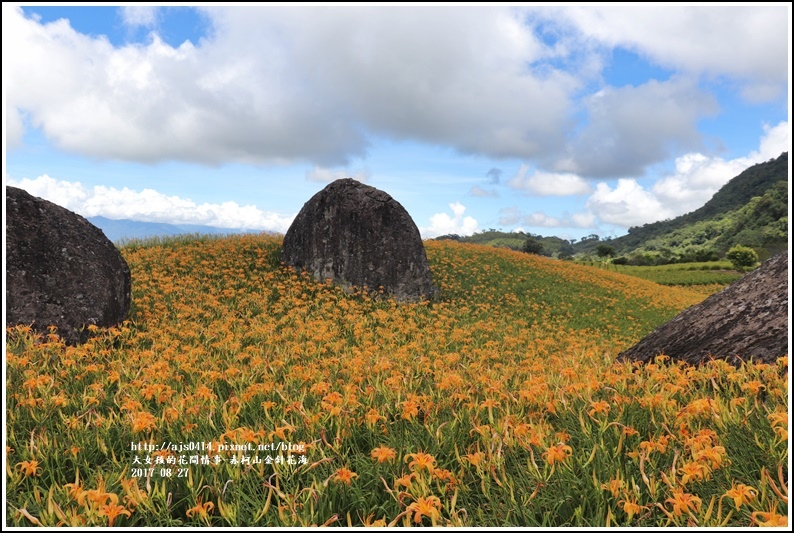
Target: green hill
[[751, 210]]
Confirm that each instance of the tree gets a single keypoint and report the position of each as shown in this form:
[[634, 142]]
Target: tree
[[531, 246], [605, 250], [742, 257]]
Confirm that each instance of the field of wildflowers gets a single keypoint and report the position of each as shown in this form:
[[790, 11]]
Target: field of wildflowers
[[243, 393]]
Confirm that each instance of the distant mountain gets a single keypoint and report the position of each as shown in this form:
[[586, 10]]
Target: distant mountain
[[120, 230]]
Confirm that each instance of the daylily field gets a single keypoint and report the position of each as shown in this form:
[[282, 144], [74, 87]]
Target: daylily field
[[242, 393]]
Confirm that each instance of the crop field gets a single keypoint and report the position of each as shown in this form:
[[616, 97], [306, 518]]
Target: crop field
[[242, 393], [705, 278]]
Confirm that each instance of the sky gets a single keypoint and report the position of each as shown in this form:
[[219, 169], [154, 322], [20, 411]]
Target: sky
[[561, 120]]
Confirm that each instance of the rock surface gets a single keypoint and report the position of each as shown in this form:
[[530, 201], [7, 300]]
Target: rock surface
[[746, 320], [357, 235], [61, 270]]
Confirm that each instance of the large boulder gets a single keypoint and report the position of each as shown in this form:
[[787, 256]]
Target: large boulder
[[61, 270], [746, 320], [357, 235]]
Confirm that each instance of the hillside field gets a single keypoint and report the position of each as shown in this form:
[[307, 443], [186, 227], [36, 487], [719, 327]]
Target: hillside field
[[242, 393]]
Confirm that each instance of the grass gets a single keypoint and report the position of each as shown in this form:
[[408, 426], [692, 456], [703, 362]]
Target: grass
[[498, 405], [705, 277]]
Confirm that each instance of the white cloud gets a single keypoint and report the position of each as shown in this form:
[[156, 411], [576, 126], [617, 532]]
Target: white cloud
[[746, 43], [628, 204], [548, 184], [275, 84], [15, 128], [134, 16], [149, 205], [776, 140], [327, 175], [443, 224], [538, 219], [696, 179]]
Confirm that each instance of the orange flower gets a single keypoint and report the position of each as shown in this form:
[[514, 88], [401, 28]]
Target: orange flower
[[75, 491], [714, 455], [770, 519], [143, 421], [475, 458], [693, 472], [557, 453], [420, 461], [683, 502], [30, 468], [200, 509], [600, 408], [344, 475], [372, 416], [631, 507], [429, 507], [113, 511], [741, 494], [410, 409], [754, 386], [405, 481], [613, 486], [383, 454]]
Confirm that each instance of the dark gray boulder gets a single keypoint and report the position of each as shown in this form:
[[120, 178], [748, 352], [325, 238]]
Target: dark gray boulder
[[359, 236], [746, 320], [61, 270]]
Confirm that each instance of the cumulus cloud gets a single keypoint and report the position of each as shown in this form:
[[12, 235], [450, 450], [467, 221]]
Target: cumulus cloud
[[696, 179], [538, 219], [279, 85], [149, 205], [548, 184], [443, 224], [628, 204], [630, 128], [776, 140], [135, 16], [276, 84], [746, 43], [327, 175]]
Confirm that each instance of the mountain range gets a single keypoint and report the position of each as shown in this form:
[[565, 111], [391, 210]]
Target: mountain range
[[122, 230]]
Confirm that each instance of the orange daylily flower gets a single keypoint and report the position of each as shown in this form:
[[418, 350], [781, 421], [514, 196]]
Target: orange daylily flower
[[420, 461], [383, 454], [200, 509], [769, 519], [557, 453], [112, 512], [30, 468], [429, 507], [741, 494], [631, 508], [344, 475], [683, 502]]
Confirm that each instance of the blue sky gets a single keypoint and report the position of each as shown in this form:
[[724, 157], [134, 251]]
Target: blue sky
[[563, 120]]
